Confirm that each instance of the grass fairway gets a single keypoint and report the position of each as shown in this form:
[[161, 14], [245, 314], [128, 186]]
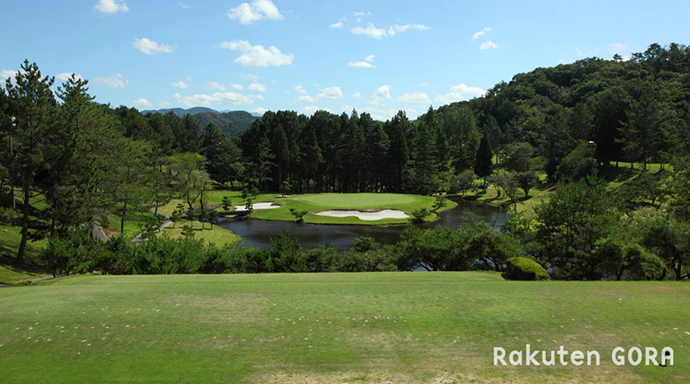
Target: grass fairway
[[216, 235], [333, 328]]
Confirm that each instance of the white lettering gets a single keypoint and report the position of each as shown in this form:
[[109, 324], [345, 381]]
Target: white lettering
[[589, 357], [518, 360], [650, 356], [631, 360], [548, 362], [561, 353], [500, 357], [618, 359], [577, 357], [667, 356], [531, 356]]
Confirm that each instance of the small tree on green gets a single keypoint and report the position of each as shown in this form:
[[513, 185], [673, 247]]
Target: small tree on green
[[250, 205], [526, 181], [227, 203], [419, 215], [202, 215], [299, 215], [213, 218], [188, 232], [439, 203], [286, 188], [483, 163], [191, 214]]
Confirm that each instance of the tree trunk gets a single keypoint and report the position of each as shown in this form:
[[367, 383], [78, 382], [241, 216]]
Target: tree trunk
[[122, 220], [19, 261]]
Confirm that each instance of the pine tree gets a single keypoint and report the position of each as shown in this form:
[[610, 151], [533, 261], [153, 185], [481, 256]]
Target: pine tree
[[33, 107], [483, 164]]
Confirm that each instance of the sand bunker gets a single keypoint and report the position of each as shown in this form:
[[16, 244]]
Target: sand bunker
[[367, 216], [257, 206]]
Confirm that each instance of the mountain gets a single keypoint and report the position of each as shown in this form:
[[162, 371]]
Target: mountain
[[230, 123], [180, 111]]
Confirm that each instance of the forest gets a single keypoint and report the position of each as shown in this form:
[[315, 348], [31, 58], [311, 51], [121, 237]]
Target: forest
[[574, 124]]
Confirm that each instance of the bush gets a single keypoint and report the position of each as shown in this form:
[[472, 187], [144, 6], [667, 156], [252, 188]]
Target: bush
[[522, 268]]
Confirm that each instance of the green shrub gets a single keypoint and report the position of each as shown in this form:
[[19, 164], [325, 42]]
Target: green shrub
[[522, 268]]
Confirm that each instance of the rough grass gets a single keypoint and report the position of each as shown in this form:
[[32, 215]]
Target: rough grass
[[325, 328], [314, 203], [217, 235], [10, 237]]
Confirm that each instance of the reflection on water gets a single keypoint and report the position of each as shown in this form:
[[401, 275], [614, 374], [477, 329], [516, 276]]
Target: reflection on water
[[259, 232]]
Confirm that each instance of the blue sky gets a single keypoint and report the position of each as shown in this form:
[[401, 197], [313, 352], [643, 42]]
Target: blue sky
[[375, 56]]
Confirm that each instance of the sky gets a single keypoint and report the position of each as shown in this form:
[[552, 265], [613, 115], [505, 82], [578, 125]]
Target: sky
[[374, 56]]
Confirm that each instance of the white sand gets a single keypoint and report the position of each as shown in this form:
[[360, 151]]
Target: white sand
[[257, 206], [367, 216]]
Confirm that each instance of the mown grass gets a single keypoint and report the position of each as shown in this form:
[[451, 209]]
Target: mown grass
[[10, 237], [212, 234], [314, 203], [326, 328]]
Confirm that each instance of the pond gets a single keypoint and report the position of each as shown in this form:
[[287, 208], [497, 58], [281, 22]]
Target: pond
[[258, 232]]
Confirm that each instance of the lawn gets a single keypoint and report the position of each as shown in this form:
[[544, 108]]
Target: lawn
[[10, 237], [333, 328], [314, 203], [217, 235]]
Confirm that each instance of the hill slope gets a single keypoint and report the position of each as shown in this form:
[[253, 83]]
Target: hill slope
[[229, 123]]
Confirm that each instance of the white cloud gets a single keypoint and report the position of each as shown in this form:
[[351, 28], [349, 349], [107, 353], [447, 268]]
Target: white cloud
[[111, 6], [252, 78], [330, 93], [237, 86], [257, 55], [142, 103], [258, 97], [480, 33], [257, 87], [415, 97], [378, 33], [305, 99], [338, 25], [66, 76], [180, 84], [151, 47], [247, 13], [189, 78], [458, 93], [163, 104], [357, 95], [213, 85], [114, 81], [310, 110], [402, 28], [363, 64], [488, 45], [299, 88], [259, 110], [7, 74], [423, 84], [370, 31], [618, 48], [225, 98], [382, 93], [183, 5], [362, 13]]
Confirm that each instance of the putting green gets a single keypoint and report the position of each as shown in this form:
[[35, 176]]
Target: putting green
[[355, 200]]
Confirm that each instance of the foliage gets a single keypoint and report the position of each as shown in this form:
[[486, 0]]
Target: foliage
[[299, 215], [523, 268], [419, 215]]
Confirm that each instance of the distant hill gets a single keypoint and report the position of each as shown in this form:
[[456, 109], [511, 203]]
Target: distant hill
[[230, 123], [181, 112]]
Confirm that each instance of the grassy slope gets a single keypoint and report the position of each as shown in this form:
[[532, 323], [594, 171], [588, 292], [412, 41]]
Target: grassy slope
[[324, 328], [616, 176], [10, 238], [326, 201], [216, 235]]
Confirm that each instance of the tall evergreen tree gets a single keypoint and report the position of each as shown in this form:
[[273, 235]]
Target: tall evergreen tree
[[483, 164]]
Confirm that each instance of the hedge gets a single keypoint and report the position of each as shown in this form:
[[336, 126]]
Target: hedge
[[522, 268]]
